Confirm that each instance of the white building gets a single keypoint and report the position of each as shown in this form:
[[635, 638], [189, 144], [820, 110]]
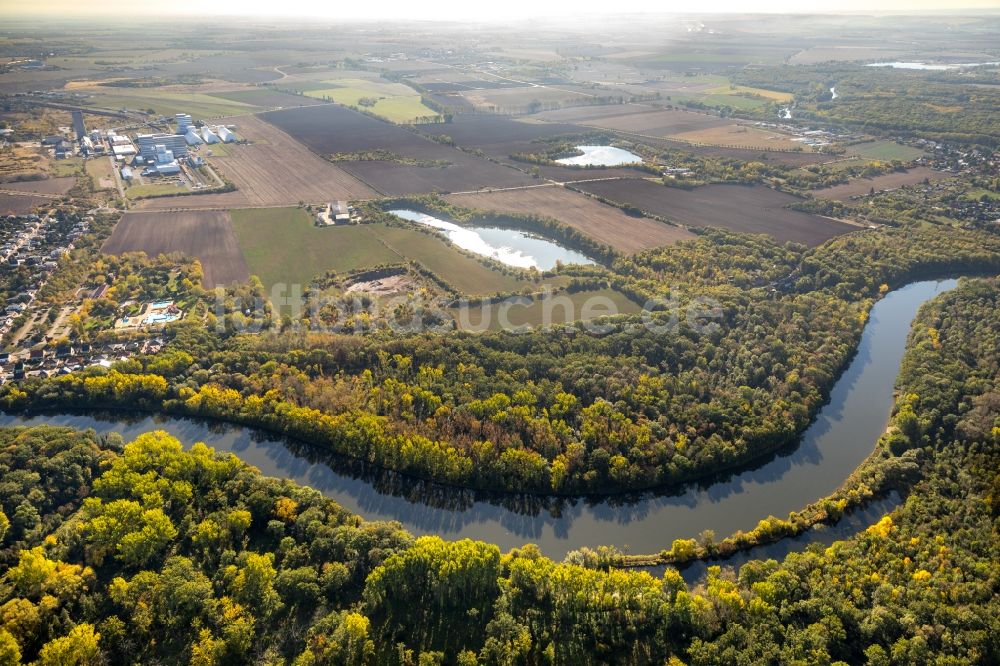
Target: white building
[[192, 137], [165, 163], [225, 134], [149, 142], [183, 121], [209, 136]]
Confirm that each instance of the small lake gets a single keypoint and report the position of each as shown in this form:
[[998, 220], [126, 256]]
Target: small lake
[[842, 436], [930, 66], [508, 246], [607, 156]]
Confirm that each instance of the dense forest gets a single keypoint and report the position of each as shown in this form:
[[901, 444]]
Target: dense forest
[[146, 553], [742, 342]]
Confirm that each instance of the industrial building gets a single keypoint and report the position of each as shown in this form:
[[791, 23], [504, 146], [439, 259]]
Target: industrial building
[[126, 173], [225, 134], [165, 165], [183, 121], [209, 136], [121, 145], [192, 137], [148, 144]]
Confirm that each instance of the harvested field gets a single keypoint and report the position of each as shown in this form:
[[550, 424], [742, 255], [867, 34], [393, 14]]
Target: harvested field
[[682, 130], [335, 129], [519, 100], [660, 123], [500, 136], [275, 169], [740, 136], [603, 223], [20, 204], [756, 209], [47, 186], [582, 114], [889, 181], [791, 158], [207, 235], [217, 201]]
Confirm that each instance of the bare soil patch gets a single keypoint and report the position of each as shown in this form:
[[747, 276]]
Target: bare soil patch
[[603, 223], [18, 204], [47, 186], [746, 209], [666, 122], [207, 235]]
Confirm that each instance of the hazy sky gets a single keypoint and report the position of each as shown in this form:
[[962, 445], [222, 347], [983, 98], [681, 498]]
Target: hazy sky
[[470, 9]]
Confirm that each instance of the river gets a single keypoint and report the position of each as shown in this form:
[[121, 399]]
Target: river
[[840, 438]]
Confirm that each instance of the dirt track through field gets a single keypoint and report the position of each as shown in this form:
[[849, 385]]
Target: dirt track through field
[[207, 235]]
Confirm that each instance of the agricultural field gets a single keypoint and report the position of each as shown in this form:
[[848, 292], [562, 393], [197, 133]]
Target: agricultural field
[[605, 224], [275, 169], [395, 102], [266, 99], [888, 181], [844, 53], [756, 209], [60, 185], [659, 123], [748, 137], [886, 151], [334, 129], [682, 127], [207, 235], [710, 89], [551, 310], [499, 136], [524, 99], [20, 204], [282, 246], [200, 105]]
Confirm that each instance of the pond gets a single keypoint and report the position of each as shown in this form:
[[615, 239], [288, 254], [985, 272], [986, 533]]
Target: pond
[[840, 438], [508, 246], [605, 156]]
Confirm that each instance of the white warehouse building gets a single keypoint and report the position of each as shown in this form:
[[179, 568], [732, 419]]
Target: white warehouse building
[[209, 136], [192, 137], [226, 135]]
